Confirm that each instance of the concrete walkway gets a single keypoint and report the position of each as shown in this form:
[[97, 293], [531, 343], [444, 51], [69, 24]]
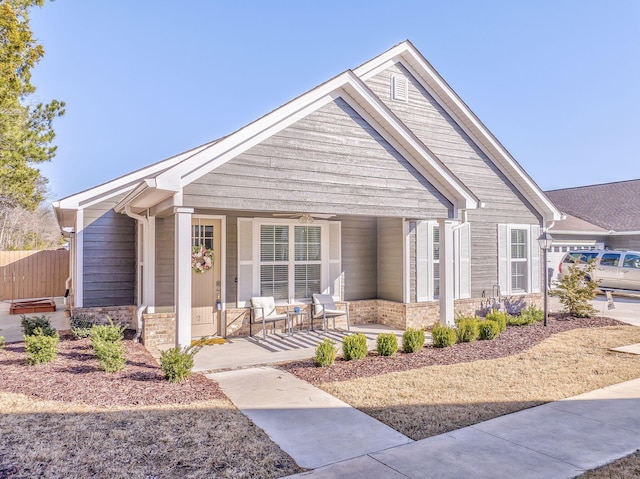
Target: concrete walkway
[[557, 440], [313, 427]]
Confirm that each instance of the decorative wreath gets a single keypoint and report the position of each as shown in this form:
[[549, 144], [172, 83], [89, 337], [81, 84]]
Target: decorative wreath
[[201, 259]]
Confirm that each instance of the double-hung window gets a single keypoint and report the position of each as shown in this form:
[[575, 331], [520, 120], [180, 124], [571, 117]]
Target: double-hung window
[[519, 267], [519, 259], [290, 261]]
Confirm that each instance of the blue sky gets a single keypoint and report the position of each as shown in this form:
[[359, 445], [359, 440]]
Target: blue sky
[[557, 82]]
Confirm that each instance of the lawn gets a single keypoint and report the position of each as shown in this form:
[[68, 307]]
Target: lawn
[[69, 419]]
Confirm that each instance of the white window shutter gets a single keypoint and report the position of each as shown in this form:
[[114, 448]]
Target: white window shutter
[[422, 261], [336, 279], [245, 262], [462, 239], [535, 259], [503, 260]]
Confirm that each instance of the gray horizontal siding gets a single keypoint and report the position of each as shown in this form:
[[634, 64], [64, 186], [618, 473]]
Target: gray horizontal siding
[[441, 134], [109, 256], [631, 242], [331, 161]]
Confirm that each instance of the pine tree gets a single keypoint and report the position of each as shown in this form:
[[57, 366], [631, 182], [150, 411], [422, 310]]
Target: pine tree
[[26, 131]]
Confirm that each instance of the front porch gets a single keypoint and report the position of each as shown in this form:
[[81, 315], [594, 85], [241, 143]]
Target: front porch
[[159, 329]]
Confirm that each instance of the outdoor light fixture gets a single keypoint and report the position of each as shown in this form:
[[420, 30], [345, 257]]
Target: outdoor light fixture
[[545, 240], [305, 219]]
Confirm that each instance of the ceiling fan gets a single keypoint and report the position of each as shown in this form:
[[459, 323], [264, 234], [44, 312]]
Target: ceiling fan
[[303, 217]]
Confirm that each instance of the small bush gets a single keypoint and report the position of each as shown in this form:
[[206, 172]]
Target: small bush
[[2, 342], [577, 289], [81, 325], [107, 332], [326, 352], [467, 330], [40, 347], [527, 316], [29, 325], [387, 344], [443, 336], [176, 363], [500, 317], [412, 340], [489, 329], [354, 347], [110, 354]]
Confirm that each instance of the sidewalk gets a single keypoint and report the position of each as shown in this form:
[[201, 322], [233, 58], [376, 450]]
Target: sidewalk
[[556, 440]]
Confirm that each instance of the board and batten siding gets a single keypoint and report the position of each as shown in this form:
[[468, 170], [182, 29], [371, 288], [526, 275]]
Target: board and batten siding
[[109, 256], [331, 161], [390, 259], [165, 263], [360, 257], [444, 137]]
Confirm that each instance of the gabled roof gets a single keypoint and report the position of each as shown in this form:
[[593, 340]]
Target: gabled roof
[[440, 90], [149, 186], [612, 206]]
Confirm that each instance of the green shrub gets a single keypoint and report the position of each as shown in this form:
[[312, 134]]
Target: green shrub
[[467, 330], [29, 325], [107, 332], [2, 342], [41, 348], [527, 316], [110, 354], [387, 344], [326, 352], [81, 325], [489, 329], [500, 317], [412, 340], [354, 347], [576, 289], [443, 336], [176, 363]]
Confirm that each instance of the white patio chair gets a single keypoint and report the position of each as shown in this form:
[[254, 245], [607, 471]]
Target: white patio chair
[[324, 308], [263, 309]]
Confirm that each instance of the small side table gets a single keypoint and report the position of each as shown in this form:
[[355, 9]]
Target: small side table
[[301, 315]]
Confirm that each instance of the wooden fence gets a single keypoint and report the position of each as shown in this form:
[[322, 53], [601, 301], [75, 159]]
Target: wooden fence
[[33, 274]]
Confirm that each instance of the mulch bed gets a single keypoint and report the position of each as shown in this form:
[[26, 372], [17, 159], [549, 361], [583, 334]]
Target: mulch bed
[[514, 340], [75, 376]]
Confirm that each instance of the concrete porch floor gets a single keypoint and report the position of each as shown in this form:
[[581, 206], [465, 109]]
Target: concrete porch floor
[[242, 352]]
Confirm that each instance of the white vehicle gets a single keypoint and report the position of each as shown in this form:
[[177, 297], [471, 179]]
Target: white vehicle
[[614, 269]]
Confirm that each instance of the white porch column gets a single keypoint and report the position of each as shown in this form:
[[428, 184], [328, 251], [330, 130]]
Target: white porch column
[[183, 276], [447, 279], [150, 265]]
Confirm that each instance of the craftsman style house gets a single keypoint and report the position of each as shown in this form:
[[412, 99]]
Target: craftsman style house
[[379, 187]]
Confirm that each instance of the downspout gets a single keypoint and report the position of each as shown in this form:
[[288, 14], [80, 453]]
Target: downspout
[[145, 228]]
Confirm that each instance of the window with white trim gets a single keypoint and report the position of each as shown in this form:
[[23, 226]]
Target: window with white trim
[[290, 261], [519, 266], [519, 259], [436, 261]]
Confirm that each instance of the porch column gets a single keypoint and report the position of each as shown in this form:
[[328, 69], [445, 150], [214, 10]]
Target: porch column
[[183, 276], [446, 271]]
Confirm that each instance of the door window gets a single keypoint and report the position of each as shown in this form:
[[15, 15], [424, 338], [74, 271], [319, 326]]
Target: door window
[[631, 261], [610, 259]]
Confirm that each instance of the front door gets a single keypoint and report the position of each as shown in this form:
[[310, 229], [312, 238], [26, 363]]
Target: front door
[[205, 277]]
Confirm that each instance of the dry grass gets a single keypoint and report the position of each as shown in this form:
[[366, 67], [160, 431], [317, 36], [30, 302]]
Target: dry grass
[[437, 399], [625, 468], [203, 439]]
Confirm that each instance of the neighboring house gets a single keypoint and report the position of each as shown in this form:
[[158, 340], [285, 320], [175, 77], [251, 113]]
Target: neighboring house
[[597, 217], [379, 186]]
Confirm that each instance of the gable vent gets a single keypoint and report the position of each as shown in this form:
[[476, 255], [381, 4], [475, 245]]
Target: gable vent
[[399, 88]]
